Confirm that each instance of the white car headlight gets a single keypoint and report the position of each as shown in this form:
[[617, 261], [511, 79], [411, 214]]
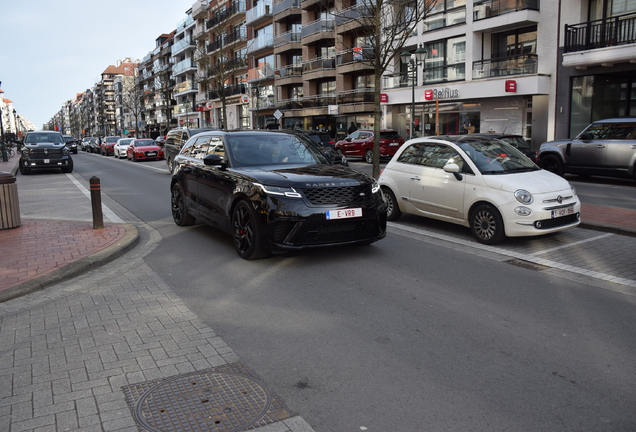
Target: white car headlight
[[523, 196], [280, 191]]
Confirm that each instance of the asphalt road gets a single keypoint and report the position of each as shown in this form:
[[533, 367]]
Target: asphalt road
[[407, 334]]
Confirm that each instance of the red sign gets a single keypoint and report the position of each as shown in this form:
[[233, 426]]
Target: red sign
[[428, 94], [384, 98], [511, 86]]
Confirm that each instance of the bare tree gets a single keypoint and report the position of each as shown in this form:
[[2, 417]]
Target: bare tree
[[132, 99], [217, 71], [384, 27]]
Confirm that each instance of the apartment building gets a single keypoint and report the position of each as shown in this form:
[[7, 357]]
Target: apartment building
[[597, 63]]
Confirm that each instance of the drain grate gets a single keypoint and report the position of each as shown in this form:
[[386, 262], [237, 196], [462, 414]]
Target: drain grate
[[526, 264], [224, 399]]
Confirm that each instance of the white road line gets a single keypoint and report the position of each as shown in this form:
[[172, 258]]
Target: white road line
[[573, 244], [105, 210], [522, 256]]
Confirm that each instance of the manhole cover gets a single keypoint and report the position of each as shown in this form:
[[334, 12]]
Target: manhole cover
[[220, 399]]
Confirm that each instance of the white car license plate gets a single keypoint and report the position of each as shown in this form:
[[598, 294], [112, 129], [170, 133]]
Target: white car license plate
[[562, 212], [344, 214]]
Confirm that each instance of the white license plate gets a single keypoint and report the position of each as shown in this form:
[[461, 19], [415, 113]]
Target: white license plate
[[394, 144], [152, 153], [47, 160], [562, 212], [344, 214]]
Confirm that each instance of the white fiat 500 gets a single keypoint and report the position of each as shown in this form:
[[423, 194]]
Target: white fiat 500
[[481, 183]]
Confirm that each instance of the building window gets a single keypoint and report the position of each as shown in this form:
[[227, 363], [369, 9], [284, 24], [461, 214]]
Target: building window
[[446, 60]]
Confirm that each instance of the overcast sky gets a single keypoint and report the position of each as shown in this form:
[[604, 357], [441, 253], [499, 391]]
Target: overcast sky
[[52, 50]]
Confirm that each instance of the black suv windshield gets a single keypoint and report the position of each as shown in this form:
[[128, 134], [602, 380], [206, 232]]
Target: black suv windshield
[[40, 137], [258, 150]]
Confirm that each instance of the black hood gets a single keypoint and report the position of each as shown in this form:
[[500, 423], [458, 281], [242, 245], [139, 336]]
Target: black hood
[[307, 176]]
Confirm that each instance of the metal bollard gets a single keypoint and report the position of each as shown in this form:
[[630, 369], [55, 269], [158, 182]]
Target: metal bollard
[[96, 202]]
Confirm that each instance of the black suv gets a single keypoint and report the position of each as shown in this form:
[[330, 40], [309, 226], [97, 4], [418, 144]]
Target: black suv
[[45, 150], [274, 191], [175, 140], [71, 143]]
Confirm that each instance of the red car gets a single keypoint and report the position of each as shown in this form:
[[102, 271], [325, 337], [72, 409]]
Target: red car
[[360, 143], [108, 145], [144, 149]]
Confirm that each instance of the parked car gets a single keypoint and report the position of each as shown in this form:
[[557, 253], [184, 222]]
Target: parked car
[[485, 184], [516, 141], [274, 191], [175, 139], [604, 148], [95, 146], [71, 143], [86, 143], [107, 147], [144, 149], [360, 143], [160, 140], [121, 146], [45, 150]]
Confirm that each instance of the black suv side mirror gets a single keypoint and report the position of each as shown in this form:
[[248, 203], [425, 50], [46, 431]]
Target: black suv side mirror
[[586, 136], [215, 160]]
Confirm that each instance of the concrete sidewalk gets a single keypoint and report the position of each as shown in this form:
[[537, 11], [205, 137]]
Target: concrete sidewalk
[[107, 340]]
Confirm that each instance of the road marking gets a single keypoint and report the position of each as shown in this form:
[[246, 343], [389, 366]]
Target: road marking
[[522, 256], [105, 210], [572, 244]]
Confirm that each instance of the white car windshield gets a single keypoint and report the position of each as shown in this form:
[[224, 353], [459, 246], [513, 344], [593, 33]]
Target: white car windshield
[[497, 157]]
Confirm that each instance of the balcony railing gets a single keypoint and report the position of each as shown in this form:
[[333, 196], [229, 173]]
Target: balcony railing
[[518, 65], [183, 65], [285, 5], [354, 56], [262, 9], [491, 8], [290, 104], [228, 91], [219, 17], [365, 95], [614, 31], [318, 26], [289, 71], [260, 42], [286, 38], [319, 101], [261, 72], [318, 64], [359, 11], [397, 80], [182, 44]]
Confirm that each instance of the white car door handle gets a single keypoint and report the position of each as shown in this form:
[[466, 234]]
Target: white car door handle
[[415, 178]]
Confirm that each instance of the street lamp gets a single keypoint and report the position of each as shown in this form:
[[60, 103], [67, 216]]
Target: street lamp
[[413, 61]]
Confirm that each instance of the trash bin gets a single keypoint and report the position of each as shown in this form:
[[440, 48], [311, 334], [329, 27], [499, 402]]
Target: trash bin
[[9, 205]]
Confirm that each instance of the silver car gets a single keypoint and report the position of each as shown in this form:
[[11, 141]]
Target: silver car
[[604, 148]]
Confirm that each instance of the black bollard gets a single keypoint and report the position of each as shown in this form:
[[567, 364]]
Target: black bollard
[[96, 202]]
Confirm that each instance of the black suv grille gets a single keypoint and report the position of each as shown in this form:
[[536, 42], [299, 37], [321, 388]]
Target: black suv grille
[[46, 153], [344, 195]]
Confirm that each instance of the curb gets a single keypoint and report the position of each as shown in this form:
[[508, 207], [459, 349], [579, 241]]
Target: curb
[[76, 268], [597, 226]]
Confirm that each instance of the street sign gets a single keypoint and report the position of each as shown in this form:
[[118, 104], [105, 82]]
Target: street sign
[[278, 114]]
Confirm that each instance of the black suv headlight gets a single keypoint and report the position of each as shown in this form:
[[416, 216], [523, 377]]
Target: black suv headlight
[[279, 191]]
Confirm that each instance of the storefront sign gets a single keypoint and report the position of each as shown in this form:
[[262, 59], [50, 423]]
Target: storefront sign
[[511, 86], [384, 98], [442, 93]]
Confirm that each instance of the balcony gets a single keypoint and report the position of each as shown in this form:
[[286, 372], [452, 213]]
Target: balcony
[[290, 104], [184, 87], [318, 26], [517, 65], [183, 66], [394, 81], [609, 32], [237, 7], [287, 38], [182, 45], [355, 60], [295, 70], [356, 12], [200, 9], [262, 72], [228, 91], [261, 42], [286, 6], [319, 64], [491, 8], [319, 101], [357, 96], [262, 12]]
